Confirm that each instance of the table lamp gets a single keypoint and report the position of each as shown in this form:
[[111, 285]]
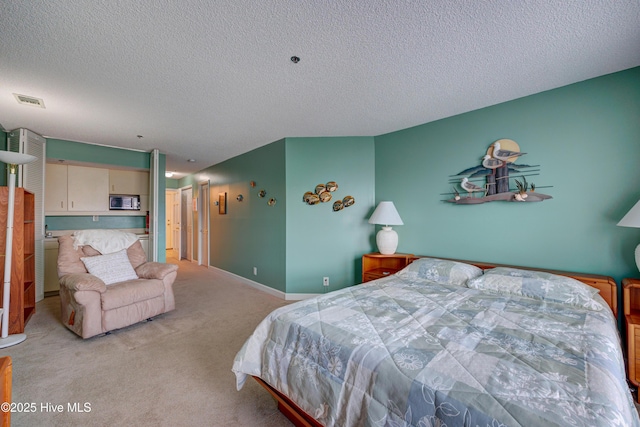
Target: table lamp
[[386, 215], [12, 160], [632, 219]]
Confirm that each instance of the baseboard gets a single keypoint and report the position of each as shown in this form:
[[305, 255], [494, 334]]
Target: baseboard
[[264, 288]]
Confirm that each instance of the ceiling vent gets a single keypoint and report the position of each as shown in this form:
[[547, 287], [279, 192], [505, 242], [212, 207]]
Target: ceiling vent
[[29, 100]]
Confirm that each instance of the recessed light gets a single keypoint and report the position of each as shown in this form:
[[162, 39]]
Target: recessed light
[[29, 100], [191, 160], [295, 59], [168, 174]]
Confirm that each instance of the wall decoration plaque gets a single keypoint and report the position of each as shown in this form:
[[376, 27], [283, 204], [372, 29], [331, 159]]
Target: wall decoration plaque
[[222, 203], [490, 181]]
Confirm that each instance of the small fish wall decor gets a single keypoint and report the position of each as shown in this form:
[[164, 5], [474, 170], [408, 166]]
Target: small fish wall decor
[[322, 193], [491, 180]]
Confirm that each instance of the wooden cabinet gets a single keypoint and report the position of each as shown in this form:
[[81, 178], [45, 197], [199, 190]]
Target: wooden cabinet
[[631, 300], [56, 188], [376, 266], [88, 189], [75, 189], [23, 283], [131, 182], [128, 182], [83, 190]]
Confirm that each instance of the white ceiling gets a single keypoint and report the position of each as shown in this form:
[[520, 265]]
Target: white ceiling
[[211, 79]]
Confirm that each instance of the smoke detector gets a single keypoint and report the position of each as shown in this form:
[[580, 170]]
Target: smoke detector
[[29, 100]]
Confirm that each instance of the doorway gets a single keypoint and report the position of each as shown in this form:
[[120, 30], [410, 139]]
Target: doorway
[[203, 223], [173, 223]]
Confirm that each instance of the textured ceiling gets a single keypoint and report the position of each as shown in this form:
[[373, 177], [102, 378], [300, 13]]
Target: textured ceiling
[[209, 80]]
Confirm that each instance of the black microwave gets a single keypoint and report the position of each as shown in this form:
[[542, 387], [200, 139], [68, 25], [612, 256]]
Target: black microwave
[[118, 202]]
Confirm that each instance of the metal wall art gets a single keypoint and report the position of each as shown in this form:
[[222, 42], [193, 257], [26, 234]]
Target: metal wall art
[[323, 194], [262, 193], [495, 169]]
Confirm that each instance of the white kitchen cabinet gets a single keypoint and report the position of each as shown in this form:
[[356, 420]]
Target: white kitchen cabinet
[[56, 188], [87, 189], [72, 189], [84, 190], [128, 182]]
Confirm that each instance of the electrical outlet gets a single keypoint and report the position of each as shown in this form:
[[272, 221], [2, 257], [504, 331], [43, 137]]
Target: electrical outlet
[[95, 218], [325, 281], [255, 271]]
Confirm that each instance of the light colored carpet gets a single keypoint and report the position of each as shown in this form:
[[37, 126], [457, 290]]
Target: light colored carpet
[[172, 371]]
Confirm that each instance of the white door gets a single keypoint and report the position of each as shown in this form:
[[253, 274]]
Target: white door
[[203, 221], [172, 206]]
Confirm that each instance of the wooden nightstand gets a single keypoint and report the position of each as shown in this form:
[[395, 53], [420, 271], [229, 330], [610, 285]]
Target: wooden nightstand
[[376, 265], [631, 300]]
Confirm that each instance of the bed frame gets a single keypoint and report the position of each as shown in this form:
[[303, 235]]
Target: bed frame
[[605, 284]]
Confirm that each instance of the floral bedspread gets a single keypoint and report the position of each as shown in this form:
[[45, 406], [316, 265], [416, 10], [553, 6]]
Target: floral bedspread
[[398, 352]]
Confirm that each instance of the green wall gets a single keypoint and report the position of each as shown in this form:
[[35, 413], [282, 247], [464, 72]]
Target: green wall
[[251, 233], [586, 139], [292, 245], [85, 222], [320, 242], [171, 183], [77, 151]]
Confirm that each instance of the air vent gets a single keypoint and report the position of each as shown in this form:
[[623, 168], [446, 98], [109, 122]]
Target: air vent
[[29, 100]]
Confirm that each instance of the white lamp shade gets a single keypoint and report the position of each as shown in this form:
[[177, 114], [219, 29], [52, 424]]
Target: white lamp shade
[[11, 158], [386, 214], [632, 219]]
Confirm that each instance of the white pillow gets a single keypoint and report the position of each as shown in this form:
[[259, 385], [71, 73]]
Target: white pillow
[[110, 268], [446, 272], [537, 285]]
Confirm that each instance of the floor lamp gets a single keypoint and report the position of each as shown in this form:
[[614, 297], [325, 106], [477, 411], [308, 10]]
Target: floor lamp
[[12, 160]]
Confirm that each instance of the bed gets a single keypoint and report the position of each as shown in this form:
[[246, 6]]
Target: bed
[[448, 343]]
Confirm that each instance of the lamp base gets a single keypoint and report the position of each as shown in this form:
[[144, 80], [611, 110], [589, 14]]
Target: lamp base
[[12, 340], [387, 241]]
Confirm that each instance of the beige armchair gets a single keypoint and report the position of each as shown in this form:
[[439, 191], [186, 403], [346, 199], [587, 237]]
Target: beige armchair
[[91, 307]]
